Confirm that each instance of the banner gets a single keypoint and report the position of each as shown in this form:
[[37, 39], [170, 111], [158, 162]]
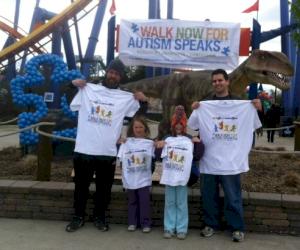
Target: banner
[[179, 44]]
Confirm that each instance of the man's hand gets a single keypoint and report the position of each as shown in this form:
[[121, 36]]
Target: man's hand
[[80, 83], [195, 105], [257, 104], [140, 96]]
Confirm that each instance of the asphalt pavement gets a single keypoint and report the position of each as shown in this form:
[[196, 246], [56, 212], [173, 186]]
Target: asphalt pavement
[[22, 234]]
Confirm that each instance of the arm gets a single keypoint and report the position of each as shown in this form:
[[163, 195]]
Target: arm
[[153, 165], [195, 105], [158, 149], [198, 150], [257, 104], [80, 83], [140, 96]]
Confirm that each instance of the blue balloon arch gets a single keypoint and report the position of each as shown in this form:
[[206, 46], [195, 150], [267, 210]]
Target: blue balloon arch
[[32, 78]]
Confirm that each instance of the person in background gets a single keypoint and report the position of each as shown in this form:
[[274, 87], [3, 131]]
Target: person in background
[[101, 111], [272, 118]]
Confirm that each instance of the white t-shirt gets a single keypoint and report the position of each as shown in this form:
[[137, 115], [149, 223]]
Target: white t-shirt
[[136, 157], [100, 118], [226, 128], [177, 157]]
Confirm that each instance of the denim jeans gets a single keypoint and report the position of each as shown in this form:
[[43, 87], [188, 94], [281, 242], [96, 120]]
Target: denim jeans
[[233, 203], [176, 209]]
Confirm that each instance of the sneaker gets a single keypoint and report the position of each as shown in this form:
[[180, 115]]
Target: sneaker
[[76, 223], [207, 231], [181, 236], [146, 229], [131, 228], [102, 226], [238, 236], [168, 234]]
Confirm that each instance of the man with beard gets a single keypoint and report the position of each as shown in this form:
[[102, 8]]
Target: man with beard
[[101, 111]]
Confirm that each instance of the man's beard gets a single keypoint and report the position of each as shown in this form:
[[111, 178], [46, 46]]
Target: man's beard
[[111, 84]]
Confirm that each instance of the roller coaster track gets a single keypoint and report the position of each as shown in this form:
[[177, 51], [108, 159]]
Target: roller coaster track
[[17, 35], [32, 39]]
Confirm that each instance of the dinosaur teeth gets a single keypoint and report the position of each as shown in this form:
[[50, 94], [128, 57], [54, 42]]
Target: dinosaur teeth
[[284, 80]]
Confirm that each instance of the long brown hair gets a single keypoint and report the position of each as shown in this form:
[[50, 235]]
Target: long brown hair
[[142, 120]]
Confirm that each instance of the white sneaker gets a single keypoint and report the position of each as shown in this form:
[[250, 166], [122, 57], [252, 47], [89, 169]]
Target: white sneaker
[[181, 236], [207, 231], [146, 230], [131, 228], [238, 236], [168, 234]]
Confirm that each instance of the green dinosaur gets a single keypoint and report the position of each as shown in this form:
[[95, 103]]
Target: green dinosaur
[[184, 88]]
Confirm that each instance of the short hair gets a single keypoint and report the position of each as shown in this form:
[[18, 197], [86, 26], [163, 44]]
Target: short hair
[[141, 119], [220, 71]]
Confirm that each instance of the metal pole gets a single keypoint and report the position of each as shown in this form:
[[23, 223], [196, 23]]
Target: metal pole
[[93, 39], [285, 48]]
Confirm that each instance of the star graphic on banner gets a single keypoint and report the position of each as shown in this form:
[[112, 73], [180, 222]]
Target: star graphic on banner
[[134, 27], [225, 51]]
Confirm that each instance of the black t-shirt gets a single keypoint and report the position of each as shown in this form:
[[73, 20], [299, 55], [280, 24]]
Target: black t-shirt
[[228, 97]]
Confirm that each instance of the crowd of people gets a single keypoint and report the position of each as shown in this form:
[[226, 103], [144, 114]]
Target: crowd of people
[[225, 126]]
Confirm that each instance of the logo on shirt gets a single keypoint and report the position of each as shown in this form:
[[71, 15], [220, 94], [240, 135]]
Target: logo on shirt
[[100, 113], [136, 162], [175, 159], [225, 128]]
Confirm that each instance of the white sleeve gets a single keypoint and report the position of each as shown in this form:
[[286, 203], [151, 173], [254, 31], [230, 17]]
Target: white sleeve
[[120, 152], [76, 102], [133, 107], [153, 152], [164, 152], [257, 123], [193, 121]]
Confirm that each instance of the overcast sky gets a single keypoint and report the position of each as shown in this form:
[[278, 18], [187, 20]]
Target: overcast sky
[[195, 10]]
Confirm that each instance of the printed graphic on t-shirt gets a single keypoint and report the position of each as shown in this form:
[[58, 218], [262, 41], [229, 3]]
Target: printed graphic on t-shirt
[[175, 158], [136, 161], [225, 128], [100, 113]]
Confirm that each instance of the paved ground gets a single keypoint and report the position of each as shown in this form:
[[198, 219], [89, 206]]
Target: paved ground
[[23, 234], [16, 234], [7, 141], [279, 141]]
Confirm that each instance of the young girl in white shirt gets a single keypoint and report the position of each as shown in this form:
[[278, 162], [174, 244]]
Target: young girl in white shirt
[[179, 150], [136, 155]]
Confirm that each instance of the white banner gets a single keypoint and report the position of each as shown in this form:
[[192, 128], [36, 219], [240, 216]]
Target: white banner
[[179, 44]]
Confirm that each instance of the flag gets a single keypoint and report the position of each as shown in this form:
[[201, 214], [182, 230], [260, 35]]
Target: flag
[[112, 8], [254, 7]]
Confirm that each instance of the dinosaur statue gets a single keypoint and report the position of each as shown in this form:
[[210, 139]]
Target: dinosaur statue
[[184, 88]]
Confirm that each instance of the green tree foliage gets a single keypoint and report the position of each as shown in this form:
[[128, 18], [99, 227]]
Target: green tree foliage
[[295, 11]]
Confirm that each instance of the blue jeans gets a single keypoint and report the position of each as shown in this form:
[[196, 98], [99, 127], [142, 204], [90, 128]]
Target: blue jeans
[[176, 215], [233, 203]]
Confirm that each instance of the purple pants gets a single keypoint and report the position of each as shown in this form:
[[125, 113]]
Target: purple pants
[[139, 207]]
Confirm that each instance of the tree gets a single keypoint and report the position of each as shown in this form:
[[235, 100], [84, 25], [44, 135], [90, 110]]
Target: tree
[[295, 10]]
